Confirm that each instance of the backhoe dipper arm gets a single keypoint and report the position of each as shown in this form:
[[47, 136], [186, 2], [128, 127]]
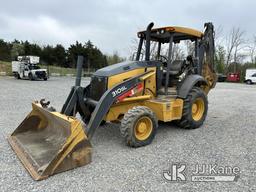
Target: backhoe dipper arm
[[206, 46], [206, 55]]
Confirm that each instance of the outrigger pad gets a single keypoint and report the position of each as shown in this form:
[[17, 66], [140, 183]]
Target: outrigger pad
[[49, 142]]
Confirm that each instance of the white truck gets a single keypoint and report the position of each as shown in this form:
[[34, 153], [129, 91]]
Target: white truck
[[250, 76], [27, 68]]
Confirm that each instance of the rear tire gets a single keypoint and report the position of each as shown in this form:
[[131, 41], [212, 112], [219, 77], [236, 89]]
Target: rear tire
[[139, 126], [195, 109], [45, 78], [17, 75], [30, 76]]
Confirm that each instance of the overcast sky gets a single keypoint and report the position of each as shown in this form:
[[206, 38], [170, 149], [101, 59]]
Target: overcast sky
[[112, 24]]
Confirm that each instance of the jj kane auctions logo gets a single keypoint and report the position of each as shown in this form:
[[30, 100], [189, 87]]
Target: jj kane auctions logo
[[201, 172]]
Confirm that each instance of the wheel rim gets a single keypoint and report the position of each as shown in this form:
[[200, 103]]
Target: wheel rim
[[198, 109], [143, 128]]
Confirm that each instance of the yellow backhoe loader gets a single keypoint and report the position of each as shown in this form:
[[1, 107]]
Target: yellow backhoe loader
[[137, 93]]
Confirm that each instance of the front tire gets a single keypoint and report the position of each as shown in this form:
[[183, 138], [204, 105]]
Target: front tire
[[248, 82], [139, 126], [194, 109]]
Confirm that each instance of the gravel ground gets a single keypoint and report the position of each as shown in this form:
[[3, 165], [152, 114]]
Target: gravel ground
[[227, 138]]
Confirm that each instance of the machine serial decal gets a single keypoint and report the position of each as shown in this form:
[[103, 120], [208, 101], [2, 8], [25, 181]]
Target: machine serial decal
[[118, 91]]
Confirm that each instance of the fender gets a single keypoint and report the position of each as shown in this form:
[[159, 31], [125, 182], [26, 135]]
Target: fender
[[188, 84]]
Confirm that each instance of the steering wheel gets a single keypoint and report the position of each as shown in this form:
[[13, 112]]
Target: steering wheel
[[163, 59]]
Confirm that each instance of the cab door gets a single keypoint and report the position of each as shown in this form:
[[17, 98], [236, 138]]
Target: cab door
[[253, 77], [26, 71]]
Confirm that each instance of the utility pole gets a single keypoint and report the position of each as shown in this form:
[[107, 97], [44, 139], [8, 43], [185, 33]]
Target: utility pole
[[88, 62]]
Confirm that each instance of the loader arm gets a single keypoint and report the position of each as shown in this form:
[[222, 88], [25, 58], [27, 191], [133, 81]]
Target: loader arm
[[77, 101], [107, 100]]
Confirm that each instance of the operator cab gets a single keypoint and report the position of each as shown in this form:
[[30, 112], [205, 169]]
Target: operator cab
[[173, 70]]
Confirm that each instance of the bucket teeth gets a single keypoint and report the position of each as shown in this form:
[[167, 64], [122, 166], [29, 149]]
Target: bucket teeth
[[49, 142]]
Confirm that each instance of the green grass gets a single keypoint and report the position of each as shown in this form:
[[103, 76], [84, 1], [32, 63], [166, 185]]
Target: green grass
[[64, 71], [7, 67], [61, 70]]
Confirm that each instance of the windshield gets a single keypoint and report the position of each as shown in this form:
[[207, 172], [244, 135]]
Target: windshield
[[31, 67], [179, 51]]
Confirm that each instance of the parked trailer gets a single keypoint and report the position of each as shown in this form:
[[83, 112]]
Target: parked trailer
[[233, 77]]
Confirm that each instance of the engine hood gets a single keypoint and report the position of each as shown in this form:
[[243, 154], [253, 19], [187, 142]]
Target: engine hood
[[124, 67]]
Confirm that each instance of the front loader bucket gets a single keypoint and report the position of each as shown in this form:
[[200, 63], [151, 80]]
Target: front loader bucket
[[49, 142]]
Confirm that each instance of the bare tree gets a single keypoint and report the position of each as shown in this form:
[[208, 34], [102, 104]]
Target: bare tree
[[189, 47], [240, 57], [218, 35], [153, 49], [134, 48], [178, 52], [252, 50], [235, 41]]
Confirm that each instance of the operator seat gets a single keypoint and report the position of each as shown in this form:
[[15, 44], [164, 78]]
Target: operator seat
[[175, 67], [174, 71]]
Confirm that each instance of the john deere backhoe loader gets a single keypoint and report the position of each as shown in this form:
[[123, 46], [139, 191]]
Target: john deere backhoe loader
[[136, 93]]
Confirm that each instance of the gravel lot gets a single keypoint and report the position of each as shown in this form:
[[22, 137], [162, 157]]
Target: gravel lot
[[227, 138]]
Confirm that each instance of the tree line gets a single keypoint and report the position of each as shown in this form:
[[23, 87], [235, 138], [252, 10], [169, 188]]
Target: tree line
[[234, 51], [57, 55]]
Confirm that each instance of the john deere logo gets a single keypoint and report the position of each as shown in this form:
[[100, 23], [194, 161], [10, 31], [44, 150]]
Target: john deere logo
[[118, 91]]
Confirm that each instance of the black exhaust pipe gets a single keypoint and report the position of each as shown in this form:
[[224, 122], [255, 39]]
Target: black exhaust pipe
[[147, 55], [79, 68]]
